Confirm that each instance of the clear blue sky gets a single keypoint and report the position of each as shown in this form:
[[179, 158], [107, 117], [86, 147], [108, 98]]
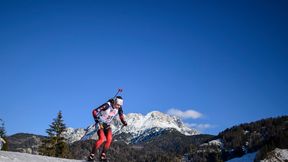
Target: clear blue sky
[[226, 60]]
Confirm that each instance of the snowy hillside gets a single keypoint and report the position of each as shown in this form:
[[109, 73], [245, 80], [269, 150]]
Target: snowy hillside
[[139, 125], [6, 156], [245, 158], [277, 155], [217, 142]]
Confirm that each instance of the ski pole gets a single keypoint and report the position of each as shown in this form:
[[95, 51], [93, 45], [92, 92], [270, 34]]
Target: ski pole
[[119, 90]]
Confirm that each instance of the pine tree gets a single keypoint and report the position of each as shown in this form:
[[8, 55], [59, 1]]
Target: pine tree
[[3, 135], [55, 145]]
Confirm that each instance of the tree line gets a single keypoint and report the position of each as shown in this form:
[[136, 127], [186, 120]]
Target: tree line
[[3, 135]]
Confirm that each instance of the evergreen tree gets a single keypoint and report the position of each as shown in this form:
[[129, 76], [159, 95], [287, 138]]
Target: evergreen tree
[[55, 145], [3, 135]]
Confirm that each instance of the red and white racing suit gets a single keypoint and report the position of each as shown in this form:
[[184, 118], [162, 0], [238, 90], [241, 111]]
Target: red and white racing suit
[[103, 116]]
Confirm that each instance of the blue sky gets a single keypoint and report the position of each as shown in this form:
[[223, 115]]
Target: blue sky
[[222, 63]]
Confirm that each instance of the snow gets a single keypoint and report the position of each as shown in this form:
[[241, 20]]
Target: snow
[[277, 155], [217, 142], [6, 156], [73, 135], [137, 125], [246, 132], [246, 158]]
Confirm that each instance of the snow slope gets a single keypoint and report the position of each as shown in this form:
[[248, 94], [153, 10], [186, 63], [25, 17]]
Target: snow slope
[[277, 155], [6, 156], [246, 158]]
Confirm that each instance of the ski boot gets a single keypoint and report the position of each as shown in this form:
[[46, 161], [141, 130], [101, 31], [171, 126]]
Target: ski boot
[[91, 157], [103, 157]]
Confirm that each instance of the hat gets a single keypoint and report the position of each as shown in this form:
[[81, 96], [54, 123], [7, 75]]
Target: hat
[[119, 100]]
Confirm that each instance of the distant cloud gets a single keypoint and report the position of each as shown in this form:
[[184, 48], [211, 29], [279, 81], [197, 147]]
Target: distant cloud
[[199, 127], [185, 114]]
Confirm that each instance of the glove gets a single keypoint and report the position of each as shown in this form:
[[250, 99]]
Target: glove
[[96, 119], [124, 123]]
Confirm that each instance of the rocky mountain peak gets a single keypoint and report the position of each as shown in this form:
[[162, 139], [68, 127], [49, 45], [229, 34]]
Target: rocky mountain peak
[[139, 125]]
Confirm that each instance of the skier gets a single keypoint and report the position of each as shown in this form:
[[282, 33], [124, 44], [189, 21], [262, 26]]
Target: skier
[[2, 142], [103, 116]]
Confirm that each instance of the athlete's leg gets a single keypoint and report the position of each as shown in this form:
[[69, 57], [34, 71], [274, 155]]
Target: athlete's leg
[[108, 134], [98, 143]]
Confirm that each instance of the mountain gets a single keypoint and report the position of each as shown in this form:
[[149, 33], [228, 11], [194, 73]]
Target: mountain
[[169, 146], [160, 137], [153, 137], [24, 142], [139, 128], [259, 137], [6, 156]]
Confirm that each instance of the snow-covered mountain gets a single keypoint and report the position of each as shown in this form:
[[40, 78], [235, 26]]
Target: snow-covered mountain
[[139, 127], [73, 135]]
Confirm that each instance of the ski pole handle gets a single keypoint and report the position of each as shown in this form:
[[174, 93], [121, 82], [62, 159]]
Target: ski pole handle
[[119, 90]]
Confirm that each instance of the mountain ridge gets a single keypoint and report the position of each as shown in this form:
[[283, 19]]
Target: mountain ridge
[[138, 127], [168, 144]]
